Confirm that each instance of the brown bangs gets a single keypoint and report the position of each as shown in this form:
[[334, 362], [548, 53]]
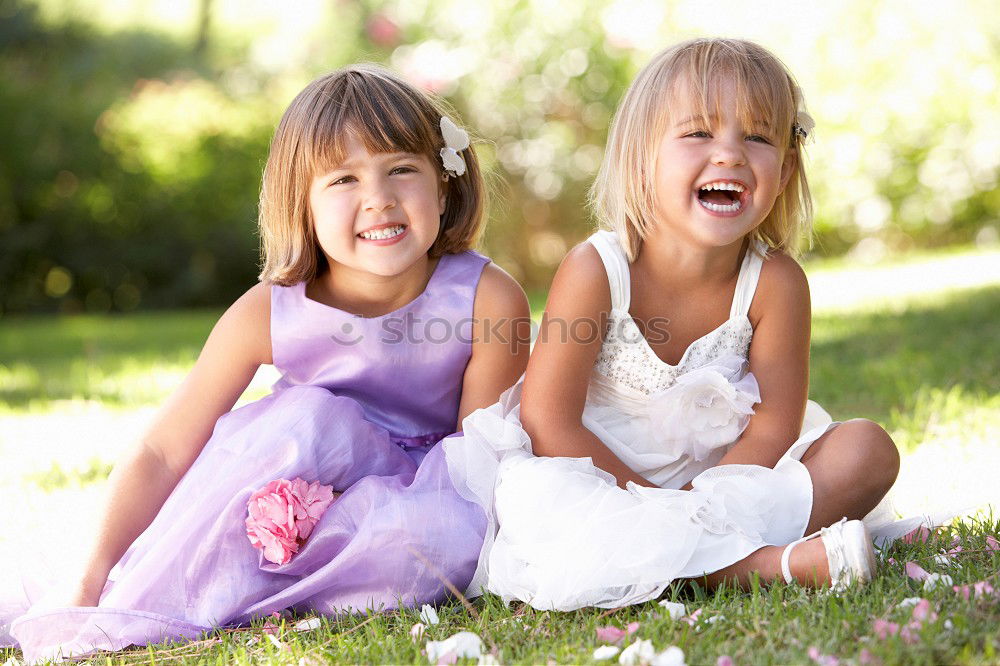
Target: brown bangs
[[387, 115], [383, 114]]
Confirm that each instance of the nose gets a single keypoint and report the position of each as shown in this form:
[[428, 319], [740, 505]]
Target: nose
[[379, 197], [728, 152]]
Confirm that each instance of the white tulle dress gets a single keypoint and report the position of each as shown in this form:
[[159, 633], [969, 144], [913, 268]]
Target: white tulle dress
[[562, 535]]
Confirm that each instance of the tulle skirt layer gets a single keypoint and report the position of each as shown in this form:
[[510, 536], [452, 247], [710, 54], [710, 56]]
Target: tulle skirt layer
[[562, 535], [394, 536]]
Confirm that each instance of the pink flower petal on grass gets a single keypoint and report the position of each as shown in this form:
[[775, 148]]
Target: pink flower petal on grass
[[884, 629], [692, 619], [724, 660], [992, 543], [919, 535], [866, 658], [610, 634], [822, 659], [631, 628], [915, 571], [911, 633], [923, 612], [982, 588]]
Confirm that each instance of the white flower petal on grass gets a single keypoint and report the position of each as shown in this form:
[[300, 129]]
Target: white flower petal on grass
[[909, 601], [605, 652], [639, 653], [715, 618], [428, 615], [488, 660], [943, 559], [933, 580], [672, 656], [417, 631], [675, 609], [464, 645], [308, 624]]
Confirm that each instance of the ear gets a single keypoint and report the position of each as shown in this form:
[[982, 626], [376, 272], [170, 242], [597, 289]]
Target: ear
[[443, 190], [788, 166]]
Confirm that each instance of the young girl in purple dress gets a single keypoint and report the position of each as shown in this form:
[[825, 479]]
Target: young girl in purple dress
[[370, 304]]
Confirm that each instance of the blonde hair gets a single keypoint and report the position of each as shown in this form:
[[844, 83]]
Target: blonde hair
[[623, 196], [387, 115]]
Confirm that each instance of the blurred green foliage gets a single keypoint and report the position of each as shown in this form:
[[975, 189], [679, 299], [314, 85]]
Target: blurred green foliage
[[133, 144]]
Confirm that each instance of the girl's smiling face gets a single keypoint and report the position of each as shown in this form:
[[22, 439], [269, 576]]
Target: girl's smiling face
[[716, 178], [377, 212]]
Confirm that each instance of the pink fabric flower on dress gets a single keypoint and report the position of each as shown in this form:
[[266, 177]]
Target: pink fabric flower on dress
[[283, 514]]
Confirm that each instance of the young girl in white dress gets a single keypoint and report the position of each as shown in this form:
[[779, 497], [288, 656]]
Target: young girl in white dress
[[662, 430]]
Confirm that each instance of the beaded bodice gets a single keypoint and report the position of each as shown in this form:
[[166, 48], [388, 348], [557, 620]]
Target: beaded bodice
[[626, 360]]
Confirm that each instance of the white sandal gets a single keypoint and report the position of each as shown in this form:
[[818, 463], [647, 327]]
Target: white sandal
[[848, 550]]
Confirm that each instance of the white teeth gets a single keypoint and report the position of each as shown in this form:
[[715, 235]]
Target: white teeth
[[720, 208], [735, 187], [382, 234]]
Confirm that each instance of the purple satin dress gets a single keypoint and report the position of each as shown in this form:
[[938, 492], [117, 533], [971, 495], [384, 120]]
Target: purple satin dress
[[361, 405]]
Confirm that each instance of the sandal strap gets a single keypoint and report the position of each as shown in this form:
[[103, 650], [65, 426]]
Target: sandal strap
[[786, 554]]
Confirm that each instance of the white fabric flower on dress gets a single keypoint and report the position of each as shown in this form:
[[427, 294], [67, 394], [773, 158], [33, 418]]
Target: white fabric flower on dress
[[705, 408], [456, 140]]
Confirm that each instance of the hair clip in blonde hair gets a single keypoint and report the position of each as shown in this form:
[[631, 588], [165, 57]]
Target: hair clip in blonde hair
[[803, 125], [456, 140]]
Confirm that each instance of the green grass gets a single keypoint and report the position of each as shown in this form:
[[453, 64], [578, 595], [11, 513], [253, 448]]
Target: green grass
[[926, 368], [766, 625], [119, 360]]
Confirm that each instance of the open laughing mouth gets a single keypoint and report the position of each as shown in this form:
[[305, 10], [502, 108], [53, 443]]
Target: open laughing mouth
[[723, 197]]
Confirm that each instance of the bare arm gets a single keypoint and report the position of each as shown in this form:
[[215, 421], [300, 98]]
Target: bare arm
[[779, 360], [147, 474], [555, 388], [501, 335]]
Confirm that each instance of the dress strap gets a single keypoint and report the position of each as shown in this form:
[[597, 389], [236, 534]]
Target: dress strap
[[616, 264], [746, 283]]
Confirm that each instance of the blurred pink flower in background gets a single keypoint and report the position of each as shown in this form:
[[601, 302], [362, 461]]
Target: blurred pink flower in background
[[383, 31]]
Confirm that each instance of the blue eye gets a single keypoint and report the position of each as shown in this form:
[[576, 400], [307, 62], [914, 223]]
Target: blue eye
[[343, 180], [403, 169], [758, 138], [698, 134]]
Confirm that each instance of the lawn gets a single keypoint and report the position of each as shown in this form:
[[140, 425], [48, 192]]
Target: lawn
[[924, 362]]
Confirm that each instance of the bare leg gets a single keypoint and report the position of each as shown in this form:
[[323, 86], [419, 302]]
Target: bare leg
[[852, 468], [808, 565]]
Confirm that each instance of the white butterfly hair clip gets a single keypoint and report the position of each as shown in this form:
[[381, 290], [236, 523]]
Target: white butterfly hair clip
[[456, 140]]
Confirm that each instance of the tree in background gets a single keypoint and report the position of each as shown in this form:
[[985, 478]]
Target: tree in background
[[133, 146]]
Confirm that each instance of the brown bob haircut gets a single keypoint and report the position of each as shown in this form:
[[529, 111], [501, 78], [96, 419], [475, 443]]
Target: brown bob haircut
[[387, 115]]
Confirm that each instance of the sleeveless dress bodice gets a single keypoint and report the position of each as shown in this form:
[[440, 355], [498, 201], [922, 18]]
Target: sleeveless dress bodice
[[642, 408], [404, 368]]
